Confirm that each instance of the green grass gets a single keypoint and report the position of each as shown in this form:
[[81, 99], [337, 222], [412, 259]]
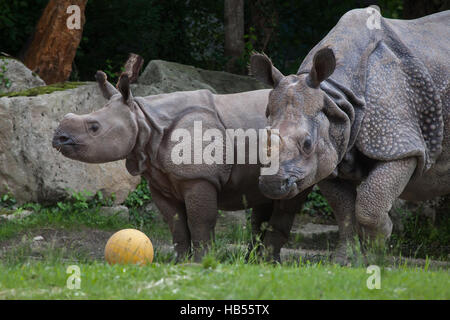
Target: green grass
[[223, 274], [28, 272], [79, 211], [47, 280]]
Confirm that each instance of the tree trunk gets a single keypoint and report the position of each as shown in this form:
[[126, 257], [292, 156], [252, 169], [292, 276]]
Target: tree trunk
[[56, 39], [133, 66], [234, 32], [413, 9], [264, 19]]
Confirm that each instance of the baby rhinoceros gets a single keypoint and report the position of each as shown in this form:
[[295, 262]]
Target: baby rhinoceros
[[146, 131]]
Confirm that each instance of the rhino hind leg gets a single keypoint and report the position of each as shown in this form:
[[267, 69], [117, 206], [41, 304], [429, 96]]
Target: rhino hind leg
[[174, 215], [201, 211], [376, 195], [341, 196]]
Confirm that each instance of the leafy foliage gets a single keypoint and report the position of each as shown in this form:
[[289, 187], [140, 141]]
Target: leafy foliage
[[302, 24], [421, 237], [205, 35], [316, 205], [7, 201], [4, 81], [136, 202], [140, 196], [391, 8], [17, 21], [85, 200], [189, 32]]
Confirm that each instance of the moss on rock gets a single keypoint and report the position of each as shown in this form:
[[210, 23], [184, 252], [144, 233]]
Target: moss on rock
[[6, 211], [44, 90]]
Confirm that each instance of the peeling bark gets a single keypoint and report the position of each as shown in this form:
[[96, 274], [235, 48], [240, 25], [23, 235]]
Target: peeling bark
[[133, 66], [54, 45]]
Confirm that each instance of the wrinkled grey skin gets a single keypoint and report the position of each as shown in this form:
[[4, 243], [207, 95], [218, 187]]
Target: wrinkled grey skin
[[367, 117], [188, 195]]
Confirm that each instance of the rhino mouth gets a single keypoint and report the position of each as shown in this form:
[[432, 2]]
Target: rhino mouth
[[67, 150], [275, 187], [65, 143]]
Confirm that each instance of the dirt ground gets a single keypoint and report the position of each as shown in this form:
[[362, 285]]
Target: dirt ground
[[84, 243], [88, 242]]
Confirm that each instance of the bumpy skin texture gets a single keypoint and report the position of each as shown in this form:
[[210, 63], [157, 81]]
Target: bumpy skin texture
[[367, 117], [188, 195], [341, 196]]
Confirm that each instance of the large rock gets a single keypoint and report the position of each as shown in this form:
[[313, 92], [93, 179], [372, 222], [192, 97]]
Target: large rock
[[16, 215], [31, 169], [120, 211], [314, 236], [17, 75], [171, 76]]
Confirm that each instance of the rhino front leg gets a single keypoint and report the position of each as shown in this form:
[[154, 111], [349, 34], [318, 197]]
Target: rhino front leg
[[201, 209], [341, 196], [376, 194], [174, 215], [260, 214], [280, 224]]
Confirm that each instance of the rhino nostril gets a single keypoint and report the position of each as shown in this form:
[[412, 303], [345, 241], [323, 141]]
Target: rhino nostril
[[283, 184], [287, 183], [62, 139]]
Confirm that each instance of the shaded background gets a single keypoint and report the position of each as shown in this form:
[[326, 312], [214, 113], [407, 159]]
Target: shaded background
[[192, 31]]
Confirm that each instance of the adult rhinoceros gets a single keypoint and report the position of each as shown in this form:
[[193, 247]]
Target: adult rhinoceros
[[187, 194], [367, 117]]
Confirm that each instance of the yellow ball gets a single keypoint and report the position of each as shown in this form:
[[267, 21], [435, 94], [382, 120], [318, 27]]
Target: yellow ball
[[129, 246]]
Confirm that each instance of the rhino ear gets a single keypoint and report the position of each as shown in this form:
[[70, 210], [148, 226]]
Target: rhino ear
[[106, 88], [263, 70], [124, 87], [324, 63]]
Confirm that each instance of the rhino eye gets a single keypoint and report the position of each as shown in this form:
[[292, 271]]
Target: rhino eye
[[307, 145], [93, 127]]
